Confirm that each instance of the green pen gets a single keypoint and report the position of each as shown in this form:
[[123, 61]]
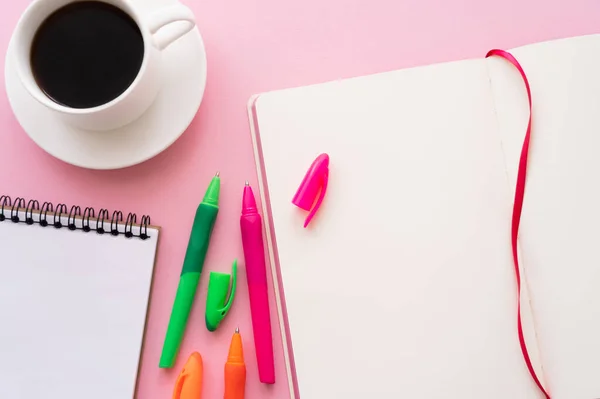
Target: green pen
[[190, 274]]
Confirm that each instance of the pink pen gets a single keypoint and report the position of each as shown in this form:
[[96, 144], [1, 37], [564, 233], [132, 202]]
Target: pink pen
[[256, 270]]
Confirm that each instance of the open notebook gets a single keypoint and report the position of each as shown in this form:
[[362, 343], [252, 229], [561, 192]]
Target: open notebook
[[74, 289], [403, 286]]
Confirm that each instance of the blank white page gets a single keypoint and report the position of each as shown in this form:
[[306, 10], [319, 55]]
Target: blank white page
[[73, 311], [403, 285], [560, 231]]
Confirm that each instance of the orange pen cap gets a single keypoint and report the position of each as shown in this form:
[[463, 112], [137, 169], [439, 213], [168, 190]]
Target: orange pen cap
[[189, 381]]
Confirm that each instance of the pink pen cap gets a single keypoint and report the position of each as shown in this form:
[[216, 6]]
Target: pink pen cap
[[313, 184]]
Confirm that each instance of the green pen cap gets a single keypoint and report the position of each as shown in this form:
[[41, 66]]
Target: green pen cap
[[219, 299]]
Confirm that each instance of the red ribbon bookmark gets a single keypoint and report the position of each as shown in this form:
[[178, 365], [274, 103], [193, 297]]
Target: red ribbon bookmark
[[516, 215]]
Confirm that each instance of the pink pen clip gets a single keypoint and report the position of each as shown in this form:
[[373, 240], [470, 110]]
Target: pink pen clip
[[315, 181]]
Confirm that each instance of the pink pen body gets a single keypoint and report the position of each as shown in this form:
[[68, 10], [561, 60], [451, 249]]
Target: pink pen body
[[256, 270]]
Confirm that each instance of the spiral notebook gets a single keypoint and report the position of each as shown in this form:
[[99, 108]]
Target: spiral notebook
[[403, 286], [74, 291]]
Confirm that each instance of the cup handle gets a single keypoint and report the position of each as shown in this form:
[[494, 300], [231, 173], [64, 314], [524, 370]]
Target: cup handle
[[166, 16]]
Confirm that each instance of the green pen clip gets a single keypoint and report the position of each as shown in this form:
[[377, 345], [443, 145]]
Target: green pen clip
[[217, 303]]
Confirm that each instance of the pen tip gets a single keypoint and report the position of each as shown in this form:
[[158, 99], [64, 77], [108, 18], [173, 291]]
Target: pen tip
[[217, 174], [247, 184], [237, 330]]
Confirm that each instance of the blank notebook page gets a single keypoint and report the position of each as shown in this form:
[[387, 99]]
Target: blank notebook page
[[403, 284], [73, 311], [560, 232]]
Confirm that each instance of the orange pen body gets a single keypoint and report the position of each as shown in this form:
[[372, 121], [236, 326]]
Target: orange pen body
[[235, 370], [189, 382]]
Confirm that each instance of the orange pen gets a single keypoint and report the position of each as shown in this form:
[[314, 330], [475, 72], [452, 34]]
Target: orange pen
[[235, 369], [189, 382]]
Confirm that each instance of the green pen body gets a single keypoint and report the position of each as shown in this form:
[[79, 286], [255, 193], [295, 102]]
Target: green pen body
[[204, 222]]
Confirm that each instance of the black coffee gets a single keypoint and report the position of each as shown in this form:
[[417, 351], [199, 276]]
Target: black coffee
[[86, 54]]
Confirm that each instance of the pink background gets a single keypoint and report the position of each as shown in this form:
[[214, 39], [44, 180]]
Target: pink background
[[254, 46]]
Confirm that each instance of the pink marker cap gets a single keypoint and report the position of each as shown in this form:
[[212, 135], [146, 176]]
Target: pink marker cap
[[313, 184]]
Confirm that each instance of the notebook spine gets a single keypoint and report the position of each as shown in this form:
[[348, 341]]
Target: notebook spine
[[48, 215]]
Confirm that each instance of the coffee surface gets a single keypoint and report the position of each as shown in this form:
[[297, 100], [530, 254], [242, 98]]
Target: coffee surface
[[86, 54]]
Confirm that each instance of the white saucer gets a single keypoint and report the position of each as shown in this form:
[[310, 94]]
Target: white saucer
[[184, 80]]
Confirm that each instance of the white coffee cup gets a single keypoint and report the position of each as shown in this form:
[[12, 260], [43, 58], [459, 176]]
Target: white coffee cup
[[138, 97]]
